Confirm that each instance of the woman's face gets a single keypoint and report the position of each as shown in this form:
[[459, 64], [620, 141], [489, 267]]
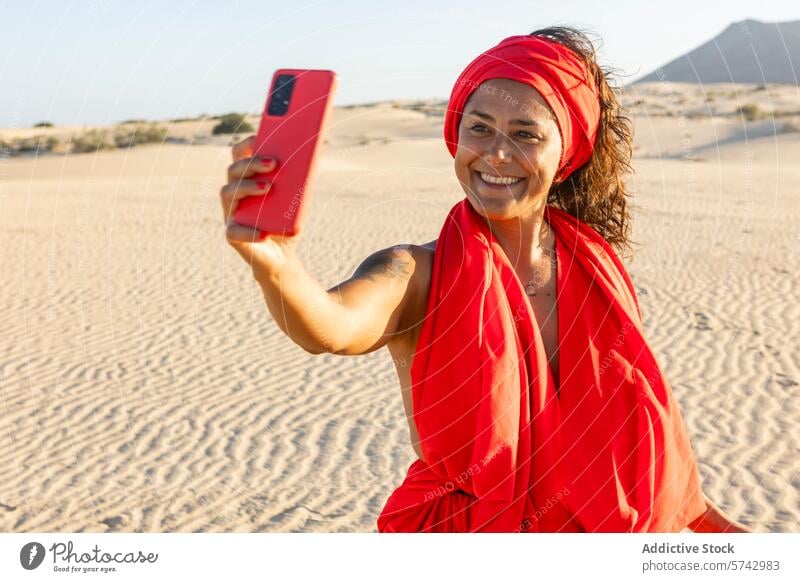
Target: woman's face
[[507, 132]]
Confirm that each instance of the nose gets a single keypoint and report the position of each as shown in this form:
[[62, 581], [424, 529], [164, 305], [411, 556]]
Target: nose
[[499, 150]]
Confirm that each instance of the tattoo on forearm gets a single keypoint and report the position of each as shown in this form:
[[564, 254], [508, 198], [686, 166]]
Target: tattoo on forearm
[[384, 263]]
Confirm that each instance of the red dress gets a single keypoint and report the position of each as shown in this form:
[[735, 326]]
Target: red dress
[[608, 453]]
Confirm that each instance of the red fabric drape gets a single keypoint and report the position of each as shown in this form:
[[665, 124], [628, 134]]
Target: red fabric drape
[[504, 452]]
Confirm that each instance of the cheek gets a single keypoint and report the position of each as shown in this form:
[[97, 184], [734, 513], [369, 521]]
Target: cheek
[[543, 160], [463, 158], [461, 169]]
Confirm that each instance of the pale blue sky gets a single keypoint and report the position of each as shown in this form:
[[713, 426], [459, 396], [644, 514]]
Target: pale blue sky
[[103, 61]]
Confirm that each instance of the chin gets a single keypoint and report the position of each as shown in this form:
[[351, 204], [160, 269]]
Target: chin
[[492, 208]]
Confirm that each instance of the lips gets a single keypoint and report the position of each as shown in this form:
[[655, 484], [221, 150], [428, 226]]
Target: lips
[[493, 181]]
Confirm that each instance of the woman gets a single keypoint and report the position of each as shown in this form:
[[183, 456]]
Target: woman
[[534, 402]]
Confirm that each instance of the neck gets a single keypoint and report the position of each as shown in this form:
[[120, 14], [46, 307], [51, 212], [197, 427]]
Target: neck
[[527, 240]]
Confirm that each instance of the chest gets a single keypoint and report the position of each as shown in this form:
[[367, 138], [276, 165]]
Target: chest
[[541, 285], [545, 308]]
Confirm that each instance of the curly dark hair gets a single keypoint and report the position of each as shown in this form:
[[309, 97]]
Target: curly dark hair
[[596, 192]]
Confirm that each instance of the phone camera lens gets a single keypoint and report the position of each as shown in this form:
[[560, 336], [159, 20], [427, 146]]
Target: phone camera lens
[[281, 95]]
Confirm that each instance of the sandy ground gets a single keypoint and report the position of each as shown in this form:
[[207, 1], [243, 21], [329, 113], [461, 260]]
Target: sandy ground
[[144, 386]]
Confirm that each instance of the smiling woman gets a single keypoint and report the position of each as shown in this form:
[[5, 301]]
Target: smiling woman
[[519, 428], [534, 402]]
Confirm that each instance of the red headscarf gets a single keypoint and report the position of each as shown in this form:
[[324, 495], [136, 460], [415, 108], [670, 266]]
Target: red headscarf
[[552, 69]]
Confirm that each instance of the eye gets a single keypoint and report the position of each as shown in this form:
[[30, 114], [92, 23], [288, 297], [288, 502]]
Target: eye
[[478, 127], [526, 135]]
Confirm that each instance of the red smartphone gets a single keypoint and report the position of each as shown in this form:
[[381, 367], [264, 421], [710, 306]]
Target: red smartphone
[[291, 130]]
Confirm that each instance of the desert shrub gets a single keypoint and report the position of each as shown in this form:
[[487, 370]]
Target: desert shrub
[[791, 126], [35, 144], [25, 145], [750, 112], [125, 137], [200, 117], [43, 124], [232, 123], [92, 141]]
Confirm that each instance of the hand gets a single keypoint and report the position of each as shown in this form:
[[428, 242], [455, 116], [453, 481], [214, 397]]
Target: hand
[[262, 251]]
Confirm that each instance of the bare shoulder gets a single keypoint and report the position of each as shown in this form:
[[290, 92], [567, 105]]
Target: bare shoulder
[[394, 262], [412, 264], [401, 260], [384, 299], [414, 314], [423, 255], [430, 246]]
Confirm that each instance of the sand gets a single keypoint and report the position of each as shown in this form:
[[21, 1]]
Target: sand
[[145, 387]]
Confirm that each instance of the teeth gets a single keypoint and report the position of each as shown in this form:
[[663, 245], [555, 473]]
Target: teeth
[[506, 180]]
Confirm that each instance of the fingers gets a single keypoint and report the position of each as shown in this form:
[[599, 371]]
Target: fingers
[[247, 167], [231, 193], [245, 178], [243, 149], [234, 191], [237, 233]]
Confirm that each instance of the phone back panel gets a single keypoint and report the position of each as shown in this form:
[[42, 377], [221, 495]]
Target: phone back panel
[[293, 137]]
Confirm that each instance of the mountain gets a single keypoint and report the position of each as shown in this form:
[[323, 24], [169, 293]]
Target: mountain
[[746, 52]]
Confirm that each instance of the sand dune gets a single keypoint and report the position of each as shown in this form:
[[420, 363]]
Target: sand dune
[[145, 387]]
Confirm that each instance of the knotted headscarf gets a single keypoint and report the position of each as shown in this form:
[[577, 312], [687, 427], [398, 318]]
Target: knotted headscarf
[[560, 76]]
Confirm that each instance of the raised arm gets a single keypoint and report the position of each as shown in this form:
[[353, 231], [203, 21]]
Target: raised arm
[[357, 316]]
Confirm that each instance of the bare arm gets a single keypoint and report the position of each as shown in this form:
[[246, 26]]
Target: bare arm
[[357, 316]]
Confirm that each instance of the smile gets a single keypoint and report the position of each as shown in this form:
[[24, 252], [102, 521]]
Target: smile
[[499, 180]]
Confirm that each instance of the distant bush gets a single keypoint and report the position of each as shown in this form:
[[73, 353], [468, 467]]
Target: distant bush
[[126, 137], [750, 112], [29, 145], [44, 144], [791, 126], [232, 123], [200, 117], [92, 141], [43, 124]]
